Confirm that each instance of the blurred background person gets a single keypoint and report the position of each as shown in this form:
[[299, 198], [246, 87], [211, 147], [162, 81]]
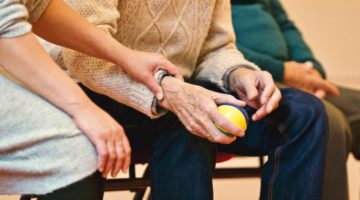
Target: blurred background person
[[268, 38]]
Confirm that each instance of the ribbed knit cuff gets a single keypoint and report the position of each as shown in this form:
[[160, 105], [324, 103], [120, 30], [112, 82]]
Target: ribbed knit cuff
[[156, 109]]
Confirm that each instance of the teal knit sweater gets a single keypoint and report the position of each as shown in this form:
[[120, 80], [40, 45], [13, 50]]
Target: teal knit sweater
[[267, 37]]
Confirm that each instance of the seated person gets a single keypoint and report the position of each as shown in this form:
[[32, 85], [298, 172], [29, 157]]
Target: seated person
[[198, 37], [54, 146], [274, 43]]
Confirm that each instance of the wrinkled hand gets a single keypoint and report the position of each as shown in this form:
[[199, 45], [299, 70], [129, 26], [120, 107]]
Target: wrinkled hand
[[257, 89], [305, 77], [196, 107], [141, 66], [107, 135]]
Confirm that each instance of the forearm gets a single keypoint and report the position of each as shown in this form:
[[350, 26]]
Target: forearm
[[24, 58], [61, 25], [105, 78]]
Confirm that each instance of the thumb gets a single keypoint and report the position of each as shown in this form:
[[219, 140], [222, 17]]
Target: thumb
[[320, 94], [308, 66], [155, 88], [172, 69]]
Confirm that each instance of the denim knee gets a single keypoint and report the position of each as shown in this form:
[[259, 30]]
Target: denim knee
[[303, 109]]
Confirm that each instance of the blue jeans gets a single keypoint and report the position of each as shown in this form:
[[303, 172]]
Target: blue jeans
[[294, 136]]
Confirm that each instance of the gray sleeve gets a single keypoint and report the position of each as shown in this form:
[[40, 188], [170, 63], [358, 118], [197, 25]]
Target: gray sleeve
[[13, 16]]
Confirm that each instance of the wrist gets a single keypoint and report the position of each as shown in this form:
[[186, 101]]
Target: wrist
[[122, 55], [170, 86], [287, 71], [76, 108]]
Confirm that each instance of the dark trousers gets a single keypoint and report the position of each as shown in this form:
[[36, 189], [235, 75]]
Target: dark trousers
[[294, 136]]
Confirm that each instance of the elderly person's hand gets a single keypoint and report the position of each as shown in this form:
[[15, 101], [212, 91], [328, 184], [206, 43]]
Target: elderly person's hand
[[196, 107], [304, 77], [257, 89], [318, 82]]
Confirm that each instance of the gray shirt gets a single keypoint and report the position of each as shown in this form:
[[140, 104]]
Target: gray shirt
[[16, 16]]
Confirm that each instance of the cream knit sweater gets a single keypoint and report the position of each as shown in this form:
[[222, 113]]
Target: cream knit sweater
[[196, 35]]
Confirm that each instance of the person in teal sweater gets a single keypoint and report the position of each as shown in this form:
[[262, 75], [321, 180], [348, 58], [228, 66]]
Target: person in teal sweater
[[268, 38]]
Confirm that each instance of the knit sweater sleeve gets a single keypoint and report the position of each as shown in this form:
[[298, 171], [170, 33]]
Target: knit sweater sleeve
[[13, 19], [298, 49], [99, 75], [219, 53]]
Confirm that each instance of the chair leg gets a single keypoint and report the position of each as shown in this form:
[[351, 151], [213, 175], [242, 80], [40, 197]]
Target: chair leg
[[139, 194], [261, 161]]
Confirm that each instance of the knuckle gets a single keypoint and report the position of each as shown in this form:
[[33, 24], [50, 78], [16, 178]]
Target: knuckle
[[221, 122], [218, 138], [115, 130], [103, 153], [266, 73], [121, 156], [128, 152], [112, 156]]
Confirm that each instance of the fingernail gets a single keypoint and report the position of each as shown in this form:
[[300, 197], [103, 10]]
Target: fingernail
[[159, 96], [254, 117]]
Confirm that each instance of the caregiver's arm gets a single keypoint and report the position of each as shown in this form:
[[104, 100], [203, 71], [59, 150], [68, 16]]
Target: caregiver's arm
[[26, 60], [61, 25]]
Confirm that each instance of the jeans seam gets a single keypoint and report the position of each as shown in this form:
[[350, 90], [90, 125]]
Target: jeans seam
[[276, 172], [282, 131]]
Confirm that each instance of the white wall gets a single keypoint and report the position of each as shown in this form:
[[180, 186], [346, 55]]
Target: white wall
[[332, 28]]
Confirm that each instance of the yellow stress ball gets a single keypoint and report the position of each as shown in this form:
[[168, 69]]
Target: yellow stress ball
[[235, 114]]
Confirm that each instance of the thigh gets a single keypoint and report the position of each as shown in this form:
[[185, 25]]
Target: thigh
[[338, 148], [40, 147], [290, 120], [339, 130], [348, 103]]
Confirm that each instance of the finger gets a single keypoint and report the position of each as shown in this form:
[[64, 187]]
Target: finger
[[225, 98], [308, 66], [274, 101], [324, 85], [103, 155], [155, 88], [172, 69], [249, 85], [112, 155], [334, 90], [118, 163], [127, 151], [250, 89], [216, 135], [188, 121], [320, 94], [269, 88], [212, 133], [226, 124], [260, 113]]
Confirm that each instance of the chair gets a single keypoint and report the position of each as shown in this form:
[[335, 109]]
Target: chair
[[138, 185]]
